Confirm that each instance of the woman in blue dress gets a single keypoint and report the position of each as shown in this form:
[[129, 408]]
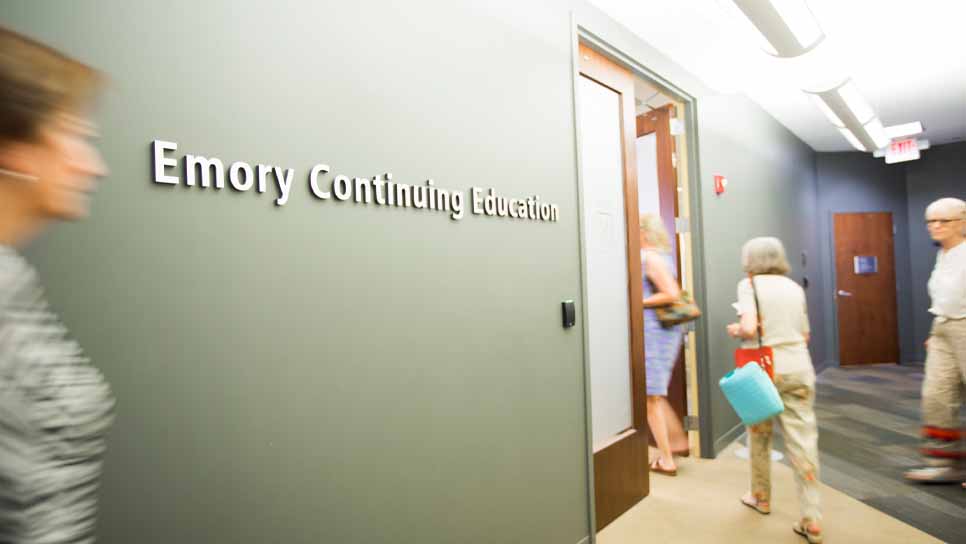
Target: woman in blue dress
[[661, 345]]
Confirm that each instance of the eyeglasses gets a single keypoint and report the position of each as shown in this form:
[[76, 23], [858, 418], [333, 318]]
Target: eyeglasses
[[941, 221]]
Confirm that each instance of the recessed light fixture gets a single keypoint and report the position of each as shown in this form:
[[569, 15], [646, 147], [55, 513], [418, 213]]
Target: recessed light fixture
[[791, 29], [877, 132], [845, 108], [852, 139], [856, 103], [787, 26], [799, 19], [834, 119]]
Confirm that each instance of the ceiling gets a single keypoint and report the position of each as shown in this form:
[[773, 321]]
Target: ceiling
[[907, 58]]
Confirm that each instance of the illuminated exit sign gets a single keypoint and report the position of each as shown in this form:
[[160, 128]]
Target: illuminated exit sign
[[902, 150]]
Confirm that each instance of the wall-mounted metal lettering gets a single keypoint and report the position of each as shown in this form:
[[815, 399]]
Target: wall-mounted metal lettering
[[381, 190]]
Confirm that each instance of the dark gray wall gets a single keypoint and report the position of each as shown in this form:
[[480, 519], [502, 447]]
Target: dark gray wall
[[327, 372], [771, 192], [941, 172], [858, 182]]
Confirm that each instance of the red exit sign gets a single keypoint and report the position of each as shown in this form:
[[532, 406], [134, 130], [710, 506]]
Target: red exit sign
[[902, 150]]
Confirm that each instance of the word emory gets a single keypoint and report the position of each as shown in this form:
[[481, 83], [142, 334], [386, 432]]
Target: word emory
[[210, 173]]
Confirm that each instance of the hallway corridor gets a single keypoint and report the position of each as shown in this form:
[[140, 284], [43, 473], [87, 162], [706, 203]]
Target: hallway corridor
[[868, 435], [708, 490]]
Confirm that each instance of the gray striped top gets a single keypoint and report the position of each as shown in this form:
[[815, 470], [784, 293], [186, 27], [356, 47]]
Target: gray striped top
[[55, 411]]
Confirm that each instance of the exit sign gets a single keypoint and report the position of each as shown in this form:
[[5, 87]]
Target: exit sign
[[902, 150]]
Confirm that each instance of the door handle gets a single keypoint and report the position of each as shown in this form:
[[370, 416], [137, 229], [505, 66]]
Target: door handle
[[844, 293]]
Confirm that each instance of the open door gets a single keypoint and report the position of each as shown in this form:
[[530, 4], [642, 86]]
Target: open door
[[613, 284], [658, 188]]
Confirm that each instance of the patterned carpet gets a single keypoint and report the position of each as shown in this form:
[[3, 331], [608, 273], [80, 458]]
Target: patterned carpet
[[868, 434]]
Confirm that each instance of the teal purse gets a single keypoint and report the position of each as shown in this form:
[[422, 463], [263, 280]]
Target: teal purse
[[752, 394]]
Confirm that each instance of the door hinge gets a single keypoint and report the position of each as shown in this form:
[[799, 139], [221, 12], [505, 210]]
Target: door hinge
[[682, 225]]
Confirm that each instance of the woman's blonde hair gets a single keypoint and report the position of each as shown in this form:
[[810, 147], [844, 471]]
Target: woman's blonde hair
[[654, 233], [764, 255], [37, 82]]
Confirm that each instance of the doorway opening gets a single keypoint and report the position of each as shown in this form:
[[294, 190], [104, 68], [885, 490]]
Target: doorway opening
[[633, 153]]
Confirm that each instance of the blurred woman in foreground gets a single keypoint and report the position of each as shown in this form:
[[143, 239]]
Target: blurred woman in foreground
[[55, 408]]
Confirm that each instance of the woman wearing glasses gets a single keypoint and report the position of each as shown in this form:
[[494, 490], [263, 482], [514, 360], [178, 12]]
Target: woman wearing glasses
[[942, 389]]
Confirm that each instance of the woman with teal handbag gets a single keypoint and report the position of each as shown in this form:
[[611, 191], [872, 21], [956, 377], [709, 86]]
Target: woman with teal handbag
[[773, 314]]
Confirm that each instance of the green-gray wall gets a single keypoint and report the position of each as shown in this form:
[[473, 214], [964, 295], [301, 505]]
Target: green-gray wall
[[329, 372], [771, 192]]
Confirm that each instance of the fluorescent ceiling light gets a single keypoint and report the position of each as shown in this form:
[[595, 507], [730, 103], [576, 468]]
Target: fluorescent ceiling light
[[763, 42], [800, 21], [820, 102], [852, 139], [820, 69], [904, 130], [788, 26], [877, 132], [856, 103], [748, 28]]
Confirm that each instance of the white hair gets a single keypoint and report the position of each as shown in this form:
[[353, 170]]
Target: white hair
[[953, 207], [764, 255], [949, 208]]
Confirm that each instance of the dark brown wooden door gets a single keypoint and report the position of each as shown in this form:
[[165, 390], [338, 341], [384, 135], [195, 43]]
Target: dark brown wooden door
[[620, 453], [658, 122], [865, 283]]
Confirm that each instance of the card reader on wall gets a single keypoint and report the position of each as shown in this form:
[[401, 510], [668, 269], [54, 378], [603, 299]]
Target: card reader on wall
[[569, 314]]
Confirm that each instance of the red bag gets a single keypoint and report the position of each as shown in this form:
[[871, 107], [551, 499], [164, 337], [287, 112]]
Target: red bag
[[763, 356]]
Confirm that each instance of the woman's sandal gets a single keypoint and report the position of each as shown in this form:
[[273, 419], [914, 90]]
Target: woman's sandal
[[656, 467], [812, 538], [761, 507]]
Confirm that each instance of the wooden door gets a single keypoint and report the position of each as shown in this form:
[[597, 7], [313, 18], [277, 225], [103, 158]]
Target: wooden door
[[865, 283], [615, 326], [658, 123]]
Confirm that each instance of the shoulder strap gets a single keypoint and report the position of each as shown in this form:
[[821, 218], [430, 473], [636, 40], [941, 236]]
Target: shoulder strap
[[761, 329]]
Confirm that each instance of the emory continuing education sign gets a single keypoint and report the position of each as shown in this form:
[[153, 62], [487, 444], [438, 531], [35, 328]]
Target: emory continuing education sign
[[208, 173]]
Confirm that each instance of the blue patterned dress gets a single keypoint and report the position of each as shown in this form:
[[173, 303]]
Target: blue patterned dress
[[661, 345]]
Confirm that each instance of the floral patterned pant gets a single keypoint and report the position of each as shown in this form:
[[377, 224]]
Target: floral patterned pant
[[797, 391], [943, 392]]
